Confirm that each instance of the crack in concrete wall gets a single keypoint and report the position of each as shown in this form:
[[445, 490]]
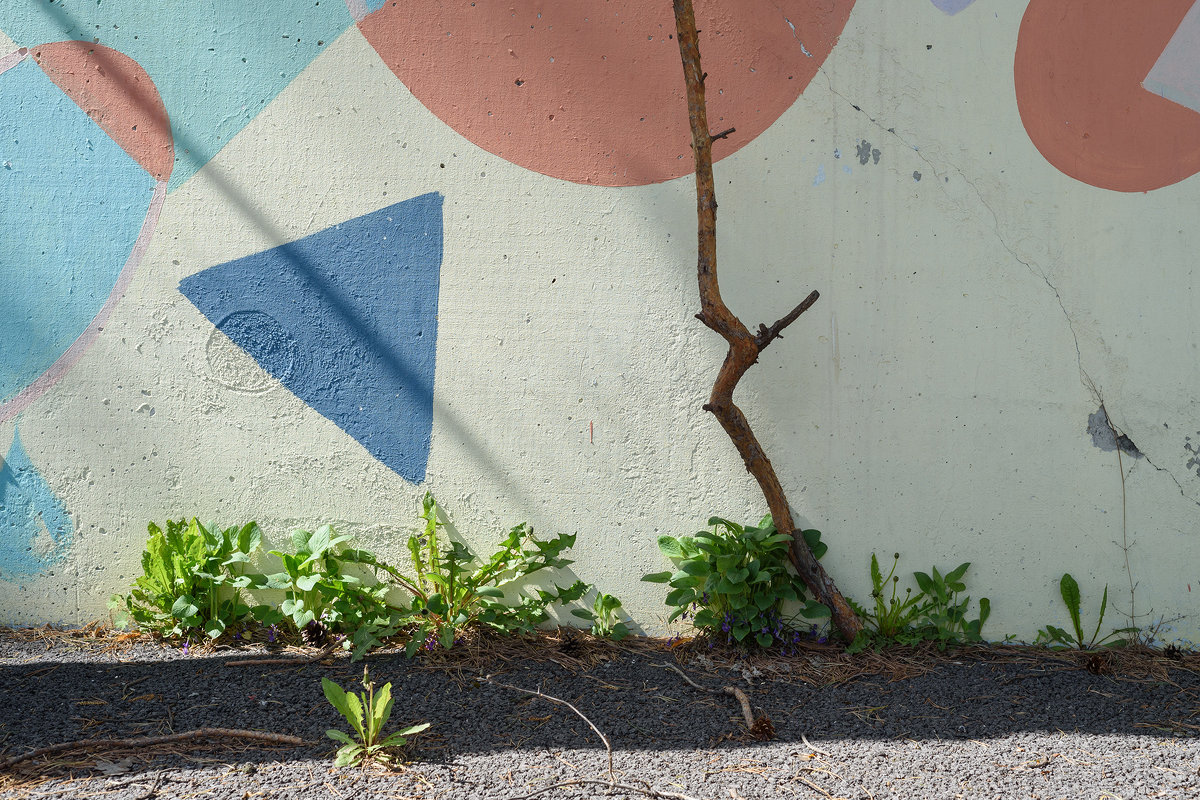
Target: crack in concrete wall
[[1034, 268]]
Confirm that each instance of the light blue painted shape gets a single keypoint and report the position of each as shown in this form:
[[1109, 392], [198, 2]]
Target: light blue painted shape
[[375, 5], [347, 320], [216, 63], [73, 205], [817, 181], [35, 529], [952, 6]]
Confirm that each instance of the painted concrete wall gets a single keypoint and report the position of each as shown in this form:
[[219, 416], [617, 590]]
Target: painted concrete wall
[[302, 262]]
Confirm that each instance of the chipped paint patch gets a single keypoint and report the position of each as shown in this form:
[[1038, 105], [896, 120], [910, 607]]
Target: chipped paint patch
[[1107, 437]]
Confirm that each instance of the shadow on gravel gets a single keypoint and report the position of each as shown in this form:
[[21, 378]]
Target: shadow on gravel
[[638, 704]]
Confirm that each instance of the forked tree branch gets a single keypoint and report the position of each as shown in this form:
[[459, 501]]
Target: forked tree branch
[[744, 347]]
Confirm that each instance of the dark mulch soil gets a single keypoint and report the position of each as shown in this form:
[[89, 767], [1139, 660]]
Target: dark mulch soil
[[981, 722]]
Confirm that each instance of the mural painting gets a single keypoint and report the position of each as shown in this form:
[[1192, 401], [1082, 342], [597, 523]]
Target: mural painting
[[200, 207]]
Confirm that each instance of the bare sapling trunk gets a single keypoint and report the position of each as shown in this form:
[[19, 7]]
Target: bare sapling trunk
[[744, 347]]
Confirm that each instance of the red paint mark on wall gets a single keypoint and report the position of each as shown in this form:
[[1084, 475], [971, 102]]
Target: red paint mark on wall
[[593, 92], [118, 95], [1078, 72]]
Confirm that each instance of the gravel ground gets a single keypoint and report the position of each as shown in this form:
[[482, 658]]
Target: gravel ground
[[984, 723]]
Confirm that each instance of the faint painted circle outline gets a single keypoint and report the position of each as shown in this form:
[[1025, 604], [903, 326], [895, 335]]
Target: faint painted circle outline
[[234, 368]]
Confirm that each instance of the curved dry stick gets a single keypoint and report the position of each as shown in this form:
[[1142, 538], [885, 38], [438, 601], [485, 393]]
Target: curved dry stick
[[625, 787], [744, 347], [612, 775], [150, 741], [760, 728], [611, 783]]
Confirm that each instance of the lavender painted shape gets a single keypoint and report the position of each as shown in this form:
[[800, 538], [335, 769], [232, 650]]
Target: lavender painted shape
[[1176, 74], [952, 6]]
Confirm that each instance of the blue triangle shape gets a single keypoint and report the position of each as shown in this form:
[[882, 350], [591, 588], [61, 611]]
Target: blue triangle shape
[[346, 319]]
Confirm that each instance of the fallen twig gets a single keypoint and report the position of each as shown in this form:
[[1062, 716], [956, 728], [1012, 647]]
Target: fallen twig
[[647, 790], [150, 741], [761, 728], [320, 655], [812, 746], [250, 662], [611, 783], [538, 693]]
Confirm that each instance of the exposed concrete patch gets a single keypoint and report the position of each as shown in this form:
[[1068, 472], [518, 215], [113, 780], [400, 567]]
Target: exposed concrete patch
[[866, 153], [1108, 438], [1193, 463]]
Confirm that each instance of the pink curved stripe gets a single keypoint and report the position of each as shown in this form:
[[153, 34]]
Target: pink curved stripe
[[73, 353], [12, 59]]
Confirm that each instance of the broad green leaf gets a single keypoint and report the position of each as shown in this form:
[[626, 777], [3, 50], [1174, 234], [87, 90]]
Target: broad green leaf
[[307, 582], [490, 591], [728, 561], [724, 586], [409, 731], [680, 597], [357, 718], [957, 573], [876, 573], [924, 582], [1069, 589], [341, 700], [740, 631], [670, 547], [348, 755], [214, 628], [393, 740], [812, 537], [815, 610], [339, 736], [383, 708], [608, 603], [583, 613], [446, 637], [764, 639], [184, 607], [1103, 606]]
